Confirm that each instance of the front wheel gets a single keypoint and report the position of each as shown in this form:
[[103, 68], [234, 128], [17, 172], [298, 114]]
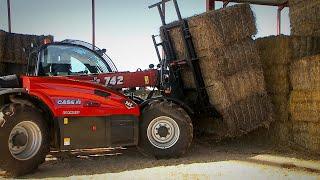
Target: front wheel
[[166, 130], [23, 140]]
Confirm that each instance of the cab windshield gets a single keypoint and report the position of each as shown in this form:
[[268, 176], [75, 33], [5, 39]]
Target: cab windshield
[[64, 60]]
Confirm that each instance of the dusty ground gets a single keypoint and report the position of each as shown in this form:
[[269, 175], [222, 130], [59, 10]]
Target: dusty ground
[[206, 160]]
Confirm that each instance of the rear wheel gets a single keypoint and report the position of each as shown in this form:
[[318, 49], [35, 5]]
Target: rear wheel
[[166, 130], [23, 139]]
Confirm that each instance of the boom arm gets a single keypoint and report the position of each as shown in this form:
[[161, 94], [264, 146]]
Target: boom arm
[[118, 80]]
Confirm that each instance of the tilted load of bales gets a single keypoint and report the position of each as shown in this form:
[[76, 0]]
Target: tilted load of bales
[[230, 66], [305, 17], [277, 53], [305, 102]]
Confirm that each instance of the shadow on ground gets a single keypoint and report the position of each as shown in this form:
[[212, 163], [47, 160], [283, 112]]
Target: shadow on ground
[[103, 161]]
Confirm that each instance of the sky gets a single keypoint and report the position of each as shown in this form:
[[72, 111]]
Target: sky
[[123, 27]]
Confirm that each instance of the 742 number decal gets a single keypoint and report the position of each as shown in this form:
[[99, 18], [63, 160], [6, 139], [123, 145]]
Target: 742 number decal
[[113, 80]]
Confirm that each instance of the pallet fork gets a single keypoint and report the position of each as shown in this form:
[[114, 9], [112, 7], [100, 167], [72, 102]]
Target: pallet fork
[[171, 79]]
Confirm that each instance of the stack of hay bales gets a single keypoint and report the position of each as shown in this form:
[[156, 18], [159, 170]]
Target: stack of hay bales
[[275, 53], [305, 17], [230, 65], [305, 102], [15, 49], [17, 46]]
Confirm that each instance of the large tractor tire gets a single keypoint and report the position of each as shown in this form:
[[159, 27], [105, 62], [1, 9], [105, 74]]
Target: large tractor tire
[[24, 140], [166, 130]]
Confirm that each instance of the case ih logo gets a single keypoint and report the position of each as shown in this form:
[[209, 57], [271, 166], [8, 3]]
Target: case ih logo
[[68, 101], [129, 104]]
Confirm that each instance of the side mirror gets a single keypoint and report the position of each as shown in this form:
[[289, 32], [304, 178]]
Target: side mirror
[[151, 66], [101, 52]]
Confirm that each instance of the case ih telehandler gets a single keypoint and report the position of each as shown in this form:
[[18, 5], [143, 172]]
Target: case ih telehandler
[[70, 99]]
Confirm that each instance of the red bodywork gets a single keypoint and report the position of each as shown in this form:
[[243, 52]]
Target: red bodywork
[[68, 97]]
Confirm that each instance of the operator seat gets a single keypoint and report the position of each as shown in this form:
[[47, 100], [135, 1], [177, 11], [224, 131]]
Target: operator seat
[[60, 69], [63, 64]]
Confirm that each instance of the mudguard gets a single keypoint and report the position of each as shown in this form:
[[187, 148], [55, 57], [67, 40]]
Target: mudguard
[[187, 108], [4, 91]]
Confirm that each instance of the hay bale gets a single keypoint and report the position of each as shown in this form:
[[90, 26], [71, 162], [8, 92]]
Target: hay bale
[[218, 95], [306, 11], [244, 83], [18, 69], [225, 62], [248, 114], [234, 58], [187, 78], [277, 79], [305, 17], [298, 2], [281, 132], [229, 90], [216, 29], [281, 108], [303, 46], [2, 69], [305, 73], [274, 50], [2, 44], [305, 106], [9, 47], [229, 60], [309, 29], [307, 135], [220, 64], [18, 48]]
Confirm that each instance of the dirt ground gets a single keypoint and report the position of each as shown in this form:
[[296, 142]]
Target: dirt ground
[[205, 160]]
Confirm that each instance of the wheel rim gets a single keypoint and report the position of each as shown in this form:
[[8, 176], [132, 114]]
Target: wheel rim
[[163, 132], [25, 140]]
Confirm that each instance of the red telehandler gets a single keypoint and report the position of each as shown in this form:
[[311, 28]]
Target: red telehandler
[[65, 102], [70, 98]]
